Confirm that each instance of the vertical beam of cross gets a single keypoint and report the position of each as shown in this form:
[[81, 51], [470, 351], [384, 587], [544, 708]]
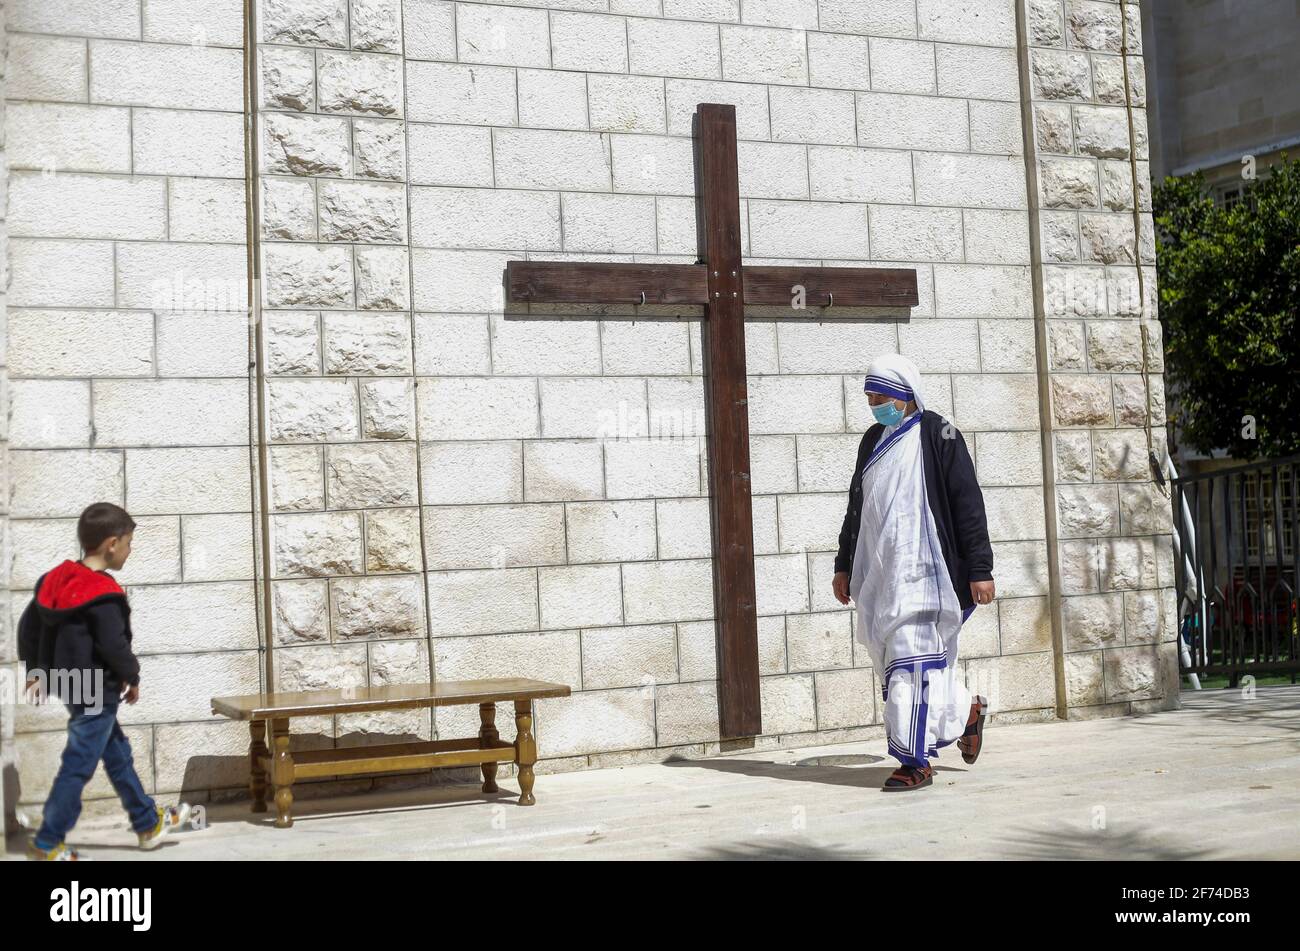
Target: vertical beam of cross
[[726, 394]]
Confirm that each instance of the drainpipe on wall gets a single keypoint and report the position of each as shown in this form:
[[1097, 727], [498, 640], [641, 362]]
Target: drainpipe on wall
[[257, 445]]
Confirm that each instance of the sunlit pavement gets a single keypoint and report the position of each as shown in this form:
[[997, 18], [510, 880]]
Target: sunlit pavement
[[1218, 778]]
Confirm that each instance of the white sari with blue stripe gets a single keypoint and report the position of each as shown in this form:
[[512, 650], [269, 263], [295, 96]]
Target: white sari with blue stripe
[[908, 615]]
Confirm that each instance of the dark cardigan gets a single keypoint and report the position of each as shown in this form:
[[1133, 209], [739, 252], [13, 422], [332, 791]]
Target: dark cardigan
[[955, 502]]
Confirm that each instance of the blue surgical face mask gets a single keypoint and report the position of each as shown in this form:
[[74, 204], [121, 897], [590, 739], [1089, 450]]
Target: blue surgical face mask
[[887, 414]]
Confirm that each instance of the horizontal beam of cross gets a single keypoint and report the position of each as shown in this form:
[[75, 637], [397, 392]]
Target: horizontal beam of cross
[[567, 282]]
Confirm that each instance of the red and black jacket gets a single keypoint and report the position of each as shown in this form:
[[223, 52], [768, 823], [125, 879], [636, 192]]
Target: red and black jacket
[[79, 620]]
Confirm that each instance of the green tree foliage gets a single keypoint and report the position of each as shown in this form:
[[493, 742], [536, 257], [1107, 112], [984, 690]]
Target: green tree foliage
[[1229, 291]]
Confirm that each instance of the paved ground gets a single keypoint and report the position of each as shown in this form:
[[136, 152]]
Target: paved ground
[[1219, 778]]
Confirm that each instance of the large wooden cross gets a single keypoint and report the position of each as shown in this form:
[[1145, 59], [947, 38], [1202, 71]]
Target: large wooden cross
[[723, 286]]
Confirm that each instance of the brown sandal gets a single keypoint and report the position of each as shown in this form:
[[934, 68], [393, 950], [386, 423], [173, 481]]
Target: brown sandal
[[972, 739], [908, 777]]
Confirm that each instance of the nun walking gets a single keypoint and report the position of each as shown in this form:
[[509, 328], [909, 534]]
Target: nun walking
[[914, 557]]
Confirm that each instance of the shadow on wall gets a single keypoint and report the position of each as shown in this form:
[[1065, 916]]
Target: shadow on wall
[[9, 779]]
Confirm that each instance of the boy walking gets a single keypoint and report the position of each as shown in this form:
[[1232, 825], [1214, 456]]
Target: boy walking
[[75, 640]]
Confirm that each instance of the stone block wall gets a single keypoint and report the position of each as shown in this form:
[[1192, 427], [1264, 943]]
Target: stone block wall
[[1097, 259], [462, 492], [128, 352]]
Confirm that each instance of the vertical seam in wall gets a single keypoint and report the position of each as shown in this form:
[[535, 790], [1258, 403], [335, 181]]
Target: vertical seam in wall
[[1030, 147], [257, 449], [415, 377]]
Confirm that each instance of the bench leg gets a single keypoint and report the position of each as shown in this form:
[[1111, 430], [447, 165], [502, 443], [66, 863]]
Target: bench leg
[[487, 736], [282, 774], [256, 771], [525, 750]]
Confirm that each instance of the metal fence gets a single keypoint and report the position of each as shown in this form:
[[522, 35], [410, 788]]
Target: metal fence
[[1238, 574]]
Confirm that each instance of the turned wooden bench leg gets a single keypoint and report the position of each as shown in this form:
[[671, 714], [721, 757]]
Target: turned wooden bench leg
[[525, 750], [256, 771], [488, 737], [282, 774]]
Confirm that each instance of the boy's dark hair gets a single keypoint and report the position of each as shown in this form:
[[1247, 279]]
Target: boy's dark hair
[[100, 521]]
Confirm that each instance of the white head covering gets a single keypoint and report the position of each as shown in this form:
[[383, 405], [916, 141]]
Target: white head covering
[[895, 376]]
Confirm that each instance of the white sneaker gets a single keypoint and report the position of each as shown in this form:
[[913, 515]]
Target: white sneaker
[[170, 819]]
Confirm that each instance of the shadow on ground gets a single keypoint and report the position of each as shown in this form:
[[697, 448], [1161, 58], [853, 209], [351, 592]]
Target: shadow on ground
[[1080, 845], [778, 850], [823, 770]]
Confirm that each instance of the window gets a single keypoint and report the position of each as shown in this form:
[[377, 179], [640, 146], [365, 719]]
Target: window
[[1262, 493]]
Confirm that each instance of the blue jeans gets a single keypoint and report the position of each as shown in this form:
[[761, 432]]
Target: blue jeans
[[93, 737]]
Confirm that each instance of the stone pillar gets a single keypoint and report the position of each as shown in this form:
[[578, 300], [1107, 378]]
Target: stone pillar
[[1094, 257], [8, 646], [348, 594]]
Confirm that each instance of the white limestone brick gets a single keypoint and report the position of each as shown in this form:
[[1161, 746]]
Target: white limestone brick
[[68, 138], [464, 408], [205, 209], [40, 487], [674, 48], [379, 148], [585, 41], [853, 174], [870, 17], [972, 181], [822, 116], [502, 36], [901, 233], [985, 22], [626, 103], [204, 412], [485, 218], [86, 206], [359, 83], [902, 66], [307, 275], [839, 61], [305, 22], [498, 536], [544, 346], [533, 158], [306, 145], [816, 229], [488, 601], [449, 154], [466, 473], [550, 99], [376, 25], [580, 595], [977, 72], [890, 121], [429, 29], [558, 470], [663, 591], [646, 468], [143, 74], [108, 18], [312, 410], [763, 55], [622, 224], [645, 164], [80, 343], [685, 95], [451, 92]]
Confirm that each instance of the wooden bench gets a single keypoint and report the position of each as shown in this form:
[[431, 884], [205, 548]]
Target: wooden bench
[[486, 749]]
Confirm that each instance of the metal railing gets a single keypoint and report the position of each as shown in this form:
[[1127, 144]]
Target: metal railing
[[1237, 571]]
